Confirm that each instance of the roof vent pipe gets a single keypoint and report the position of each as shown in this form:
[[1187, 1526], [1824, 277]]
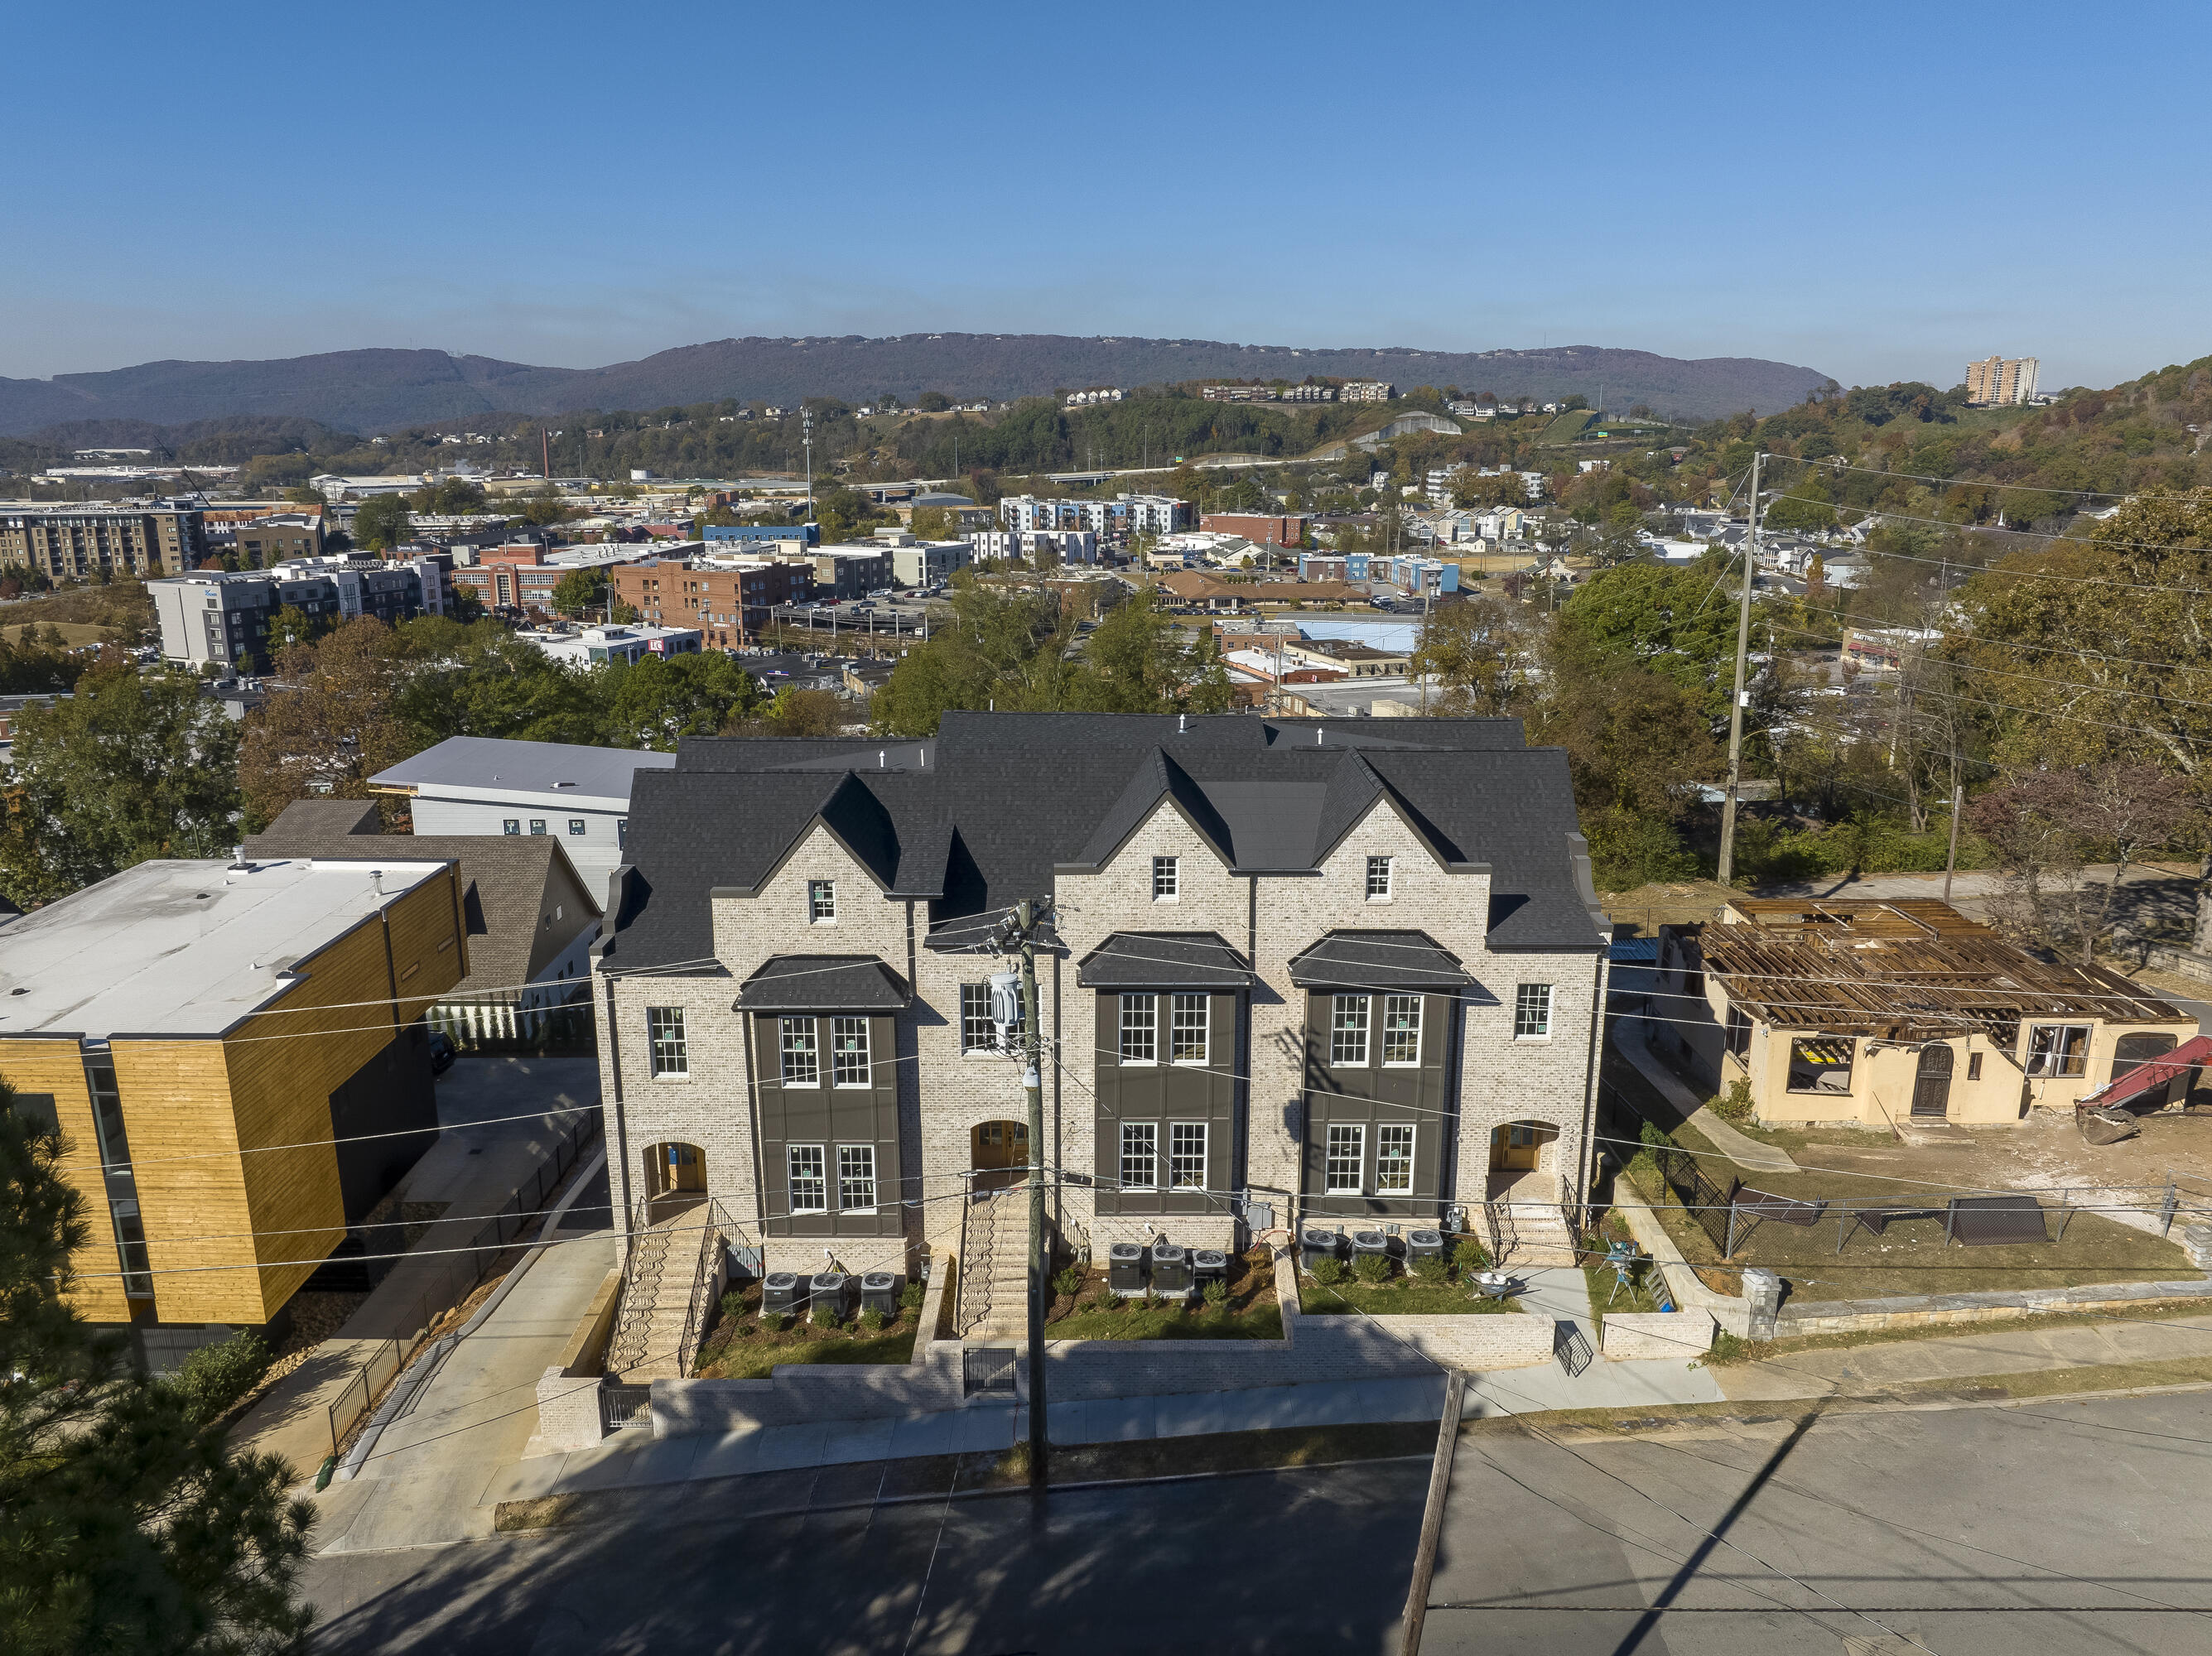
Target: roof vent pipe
[[1183, 724], [880, 758]]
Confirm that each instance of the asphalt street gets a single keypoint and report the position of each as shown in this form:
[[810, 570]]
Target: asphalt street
[[2054, 1526]]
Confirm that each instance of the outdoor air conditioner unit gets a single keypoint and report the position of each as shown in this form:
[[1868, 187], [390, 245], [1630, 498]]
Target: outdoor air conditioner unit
[[780, 1292], [1125, 1269], [828, 1293], [1424, 1244], [879, 1292], [1170, 1269]]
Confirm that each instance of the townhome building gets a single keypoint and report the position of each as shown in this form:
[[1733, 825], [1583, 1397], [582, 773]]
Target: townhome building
[[1291, 970]]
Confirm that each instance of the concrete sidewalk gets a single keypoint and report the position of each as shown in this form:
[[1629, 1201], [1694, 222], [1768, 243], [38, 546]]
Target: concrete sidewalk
[[1861, 1369], [1631, 1037]]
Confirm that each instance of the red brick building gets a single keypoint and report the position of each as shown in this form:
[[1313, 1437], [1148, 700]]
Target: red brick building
[[1289, 529], [728, 603]]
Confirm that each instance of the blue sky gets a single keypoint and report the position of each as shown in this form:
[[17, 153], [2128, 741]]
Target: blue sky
[[1878, 191]]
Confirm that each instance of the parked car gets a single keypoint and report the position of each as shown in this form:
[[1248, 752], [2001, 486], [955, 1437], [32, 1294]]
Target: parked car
[[441, 1052]]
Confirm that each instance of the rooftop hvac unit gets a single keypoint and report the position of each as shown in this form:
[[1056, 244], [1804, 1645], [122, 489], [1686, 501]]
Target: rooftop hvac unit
[[1424, 1244], [879, 1292], [779, 1291], [829, 1290], [1170, 1268], [1125, 1269], [1209, 1264], [1316, 1245]]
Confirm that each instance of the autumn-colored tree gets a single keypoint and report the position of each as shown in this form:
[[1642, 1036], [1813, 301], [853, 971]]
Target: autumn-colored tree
[[331, 728]]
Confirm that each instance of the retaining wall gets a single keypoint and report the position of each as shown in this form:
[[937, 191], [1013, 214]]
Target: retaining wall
[[1313, 1349], [1629, 1335]]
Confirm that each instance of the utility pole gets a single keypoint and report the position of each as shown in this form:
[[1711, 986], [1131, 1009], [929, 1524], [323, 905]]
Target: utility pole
[[1951, 857], [806, 436], [1735, 705], [1025, 920]]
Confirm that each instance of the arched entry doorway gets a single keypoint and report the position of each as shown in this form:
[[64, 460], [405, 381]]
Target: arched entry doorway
[[1519, 1150], [1932, 1081], [675, 1177], [998, 1151]]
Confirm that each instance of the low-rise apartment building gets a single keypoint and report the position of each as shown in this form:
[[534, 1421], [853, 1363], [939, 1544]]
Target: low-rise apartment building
[[1876, 1012], [229, 619], [1038, 547], [1366, 391], [84, 542], [727, 597], [1118, 519], [1286, 528], [849, 572], [235, 1057], [626, 646], [1293, 970], [477, 785]]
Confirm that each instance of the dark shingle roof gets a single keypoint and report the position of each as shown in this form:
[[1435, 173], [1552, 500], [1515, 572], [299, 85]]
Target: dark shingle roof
[[1163, 960], [1377, 960], [982, 814], [822, 983]]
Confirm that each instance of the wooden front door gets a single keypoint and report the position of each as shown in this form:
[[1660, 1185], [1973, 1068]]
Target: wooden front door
[[686, 1169], [999, 1154], [1931, 1086], [1514, 1149]]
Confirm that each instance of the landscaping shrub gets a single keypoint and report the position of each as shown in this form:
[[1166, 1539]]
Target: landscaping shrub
[[910, 1296], [1217, 1291], [1152, 1300], [217, 1376], [1372, 1268], [775, 1321], [1471, 1255], [1070, 1281], [1330, 1272], [733, 1304], [1431, 1269], [1734, 1105], [871, 1319]]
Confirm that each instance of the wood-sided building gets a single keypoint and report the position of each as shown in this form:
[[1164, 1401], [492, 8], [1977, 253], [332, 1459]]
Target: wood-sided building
[[235, 1057]]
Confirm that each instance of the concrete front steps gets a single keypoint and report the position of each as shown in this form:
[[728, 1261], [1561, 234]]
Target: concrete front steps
[[662, 1263], [995, 1281]]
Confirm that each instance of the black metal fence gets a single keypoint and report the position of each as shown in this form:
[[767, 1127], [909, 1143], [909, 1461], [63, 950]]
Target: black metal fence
[[501, 1023], [1706, 1202], [623, 1406], [987, 1368]]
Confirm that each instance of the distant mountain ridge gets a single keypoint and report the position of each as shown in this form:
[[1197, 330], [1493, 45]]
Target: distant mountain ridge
[[369, 391]]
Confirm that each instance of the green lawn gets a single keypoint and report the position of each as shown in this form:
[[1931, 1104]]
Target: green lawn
[[738, 1347], [1400, 1296], [1095, 1320]]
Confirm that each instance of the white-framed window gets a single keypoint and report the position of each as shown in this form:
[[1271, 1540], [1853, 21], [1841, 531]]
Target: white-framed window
[[1167, 879], [802, 1052], [821, 902], [663, 1037], [1347, 1032], [856, 1178], [1347, 1157], [1187, 1155], [1187, 1029], [1141, 1029], [2058, 1049], [1379, 879], [1393, 1159], [978, 1033], [848, 1052], [810, 1183], [1140, 1154], [1402, 1030], [1532, 1012]]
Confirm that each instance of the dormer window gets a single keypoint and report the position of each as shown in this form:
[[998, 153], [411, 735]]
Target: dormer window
[[1167, 879], [822, 902], [1379, 879]]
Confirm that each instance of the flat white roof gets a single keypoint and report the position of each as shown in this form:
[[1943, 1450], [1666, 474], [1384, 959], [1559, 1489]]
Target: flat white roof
[[183, 947], [490, 768]]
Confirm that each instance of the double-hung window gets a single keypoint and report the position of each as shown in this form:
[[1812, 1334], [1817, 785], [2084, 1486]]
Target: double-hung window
[[1379, 879], [1347, 1156], [1187, 1155], [1402, 1030], [848, 1052], [664, 1031], [802, 1052], [810, 1184], [2059, 1049], [1394, 1160], [822, 902], [1140, 1154], [1347, 1032], [856, 1178], [978, 1033], [1187, 1029], [1141, 1029], [1532, 1012], [1167, 879]]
